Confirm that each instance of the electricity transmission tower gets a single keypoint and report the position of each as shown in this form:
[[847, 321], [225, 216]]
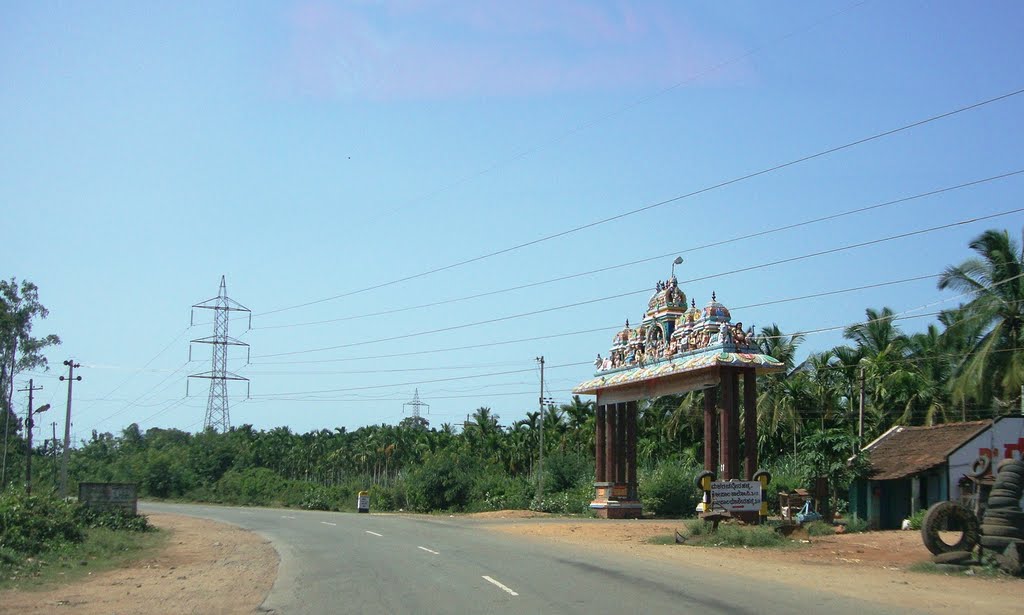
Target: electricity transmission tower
[[416, 404], [217, 415]]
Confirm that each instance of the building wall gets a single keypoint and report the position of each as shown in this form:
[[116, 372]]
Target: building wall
[[1003, 441]]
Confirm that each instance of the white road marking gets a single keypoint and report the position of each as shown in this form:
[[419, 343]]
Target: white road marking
[[374, 533], [328, 523], [508, 589], [429, 550], [286, 517]]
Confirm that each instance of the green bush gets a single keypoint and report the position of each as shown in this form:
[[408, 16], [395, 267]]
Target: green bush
[[733, 535], [254, 486], [669, 490], [566, 470], [499, 491], [443, 482], [916, 519], [819, 528], [113, 519], [855, 525], [575, 501], [388, 497], [32, 524]]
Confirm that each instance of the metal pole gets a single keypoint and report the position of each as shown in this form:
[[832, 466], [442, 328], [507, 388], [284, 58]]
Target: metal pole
[[67, 429], [540, 473], [28, 430], [860, 420]]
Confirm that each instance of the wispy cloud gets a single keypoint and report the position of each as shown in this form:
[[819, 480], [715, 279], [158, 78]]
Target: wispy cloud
[[430, 49]]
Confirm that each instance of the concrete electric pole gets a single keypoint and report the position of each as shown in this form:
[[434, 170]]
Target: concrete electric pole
[[67, 428], [28, 433]]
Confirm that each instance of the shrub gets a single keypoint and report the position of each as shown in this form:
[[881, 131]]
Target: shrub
[[259, 486], [916, 519], [498, 491], [566, 470], [733, 535], [668, 490], [575, 501], [443, 482], [855, 525], [819, 528], [31, 524], [388, 497], [113, 519]]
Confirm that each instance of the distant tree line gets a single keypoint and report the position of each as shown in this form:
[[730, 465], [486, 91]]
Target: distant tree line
[[969, 365]]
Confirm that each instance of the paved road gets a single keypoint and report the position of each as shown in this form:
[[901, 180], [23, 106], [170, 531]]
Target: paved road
[[396, 564]]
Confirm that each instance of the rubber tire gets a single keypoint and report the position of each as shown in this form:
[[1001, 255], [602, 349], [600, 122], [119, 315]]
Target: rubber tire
[[1010, 463], [980, 466], [1004, 514], [934, 521], [1005, 493], [997, 503], [1008, 481], [998, 543], [995, 530], [701, 476], [991, 521], [953, 557]]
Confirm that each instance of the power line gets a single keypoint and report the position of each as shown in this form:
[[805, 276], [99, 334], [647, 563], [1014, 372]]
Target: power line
[[716, 244], [722, 184], [645, 290]]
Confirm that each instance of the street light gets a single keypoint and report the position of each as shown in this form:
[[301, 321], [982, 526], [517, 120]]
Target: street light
[[29, 423], [678, 261]]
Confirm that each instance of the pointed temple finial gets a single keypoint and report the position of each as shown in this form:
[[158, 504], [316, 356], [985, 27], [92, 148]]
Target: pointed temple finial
[[713, 298]]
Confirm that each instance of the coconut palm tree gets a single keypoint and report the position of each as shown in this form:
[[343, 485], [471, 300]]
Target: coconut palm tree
[[994, 365]]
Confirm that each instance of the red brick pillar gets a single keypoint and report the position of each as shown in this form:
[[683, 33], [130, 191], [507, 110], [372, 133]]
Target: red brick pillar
[[599, 446], [734, 425], [610, 452], [621, 447], [750, 421], [725, 424], [631, 449], [710, 433]]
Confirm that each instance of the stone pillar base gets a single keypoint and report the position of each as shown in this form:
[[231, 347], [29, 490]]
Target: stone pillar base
[[615, 501]]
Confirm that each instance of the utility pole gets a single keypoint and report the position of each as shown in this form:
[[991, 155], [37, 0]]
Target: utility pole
[[67, 428], [28, 431], [540, 473], [54, 442], [860, 420], [543, 400]]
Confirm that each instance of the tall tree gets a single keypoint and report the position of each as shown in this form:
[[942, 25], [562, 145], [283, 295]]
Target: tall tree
[[994, 279], [19, 308]]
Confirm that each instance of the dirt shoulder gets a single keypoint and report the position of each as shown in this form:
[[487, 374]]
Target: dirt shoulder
[[206, 567], [871, 566]]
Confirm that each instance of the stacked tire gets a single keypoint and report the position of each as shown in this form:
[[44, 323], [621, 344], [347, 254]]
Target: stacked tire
[[1002, 526]]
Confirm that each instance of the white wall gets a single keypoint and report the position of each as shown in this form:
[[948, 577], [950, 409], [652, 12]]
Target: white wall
[[1006, 440]]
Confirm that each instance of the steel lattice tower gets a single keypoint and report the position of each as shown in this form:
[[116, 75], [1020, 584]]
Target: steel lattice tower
[[217, 415], [416, 405]]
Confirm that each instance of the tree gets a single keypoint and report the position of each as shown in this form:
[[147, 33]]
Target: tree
[[994, 365], [19, 307]]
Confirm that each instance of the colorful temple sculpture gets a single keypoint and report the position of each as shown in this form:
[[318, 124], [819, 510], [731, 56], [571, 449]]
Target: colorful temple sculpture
[[675, 349]]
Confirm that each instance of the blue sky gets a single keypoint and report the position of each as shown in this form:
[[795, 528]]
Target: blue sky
[[306, 150]]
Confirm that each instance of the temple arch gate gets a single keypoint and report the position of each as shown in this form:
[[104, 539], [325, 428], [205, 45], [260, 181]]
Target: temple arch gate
[[700, 350]]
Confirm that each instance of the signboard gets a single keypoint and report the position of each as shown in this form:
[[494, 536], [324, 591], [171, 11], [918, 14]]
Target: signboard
[[363, 502], [736, 495], [109, 495]]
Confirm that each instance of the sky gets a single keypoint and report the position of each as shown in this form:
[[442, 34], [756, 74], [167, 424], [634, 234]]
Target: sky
[[425, 195]]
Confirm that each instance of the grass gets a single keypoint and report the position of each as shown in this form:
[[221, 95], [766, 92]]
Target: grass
[[102, 549], [731, 535]]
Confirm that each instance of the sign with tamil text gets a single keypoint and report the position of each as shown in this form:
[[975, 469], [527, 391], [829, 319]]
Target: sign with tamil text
[[736, 495]]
